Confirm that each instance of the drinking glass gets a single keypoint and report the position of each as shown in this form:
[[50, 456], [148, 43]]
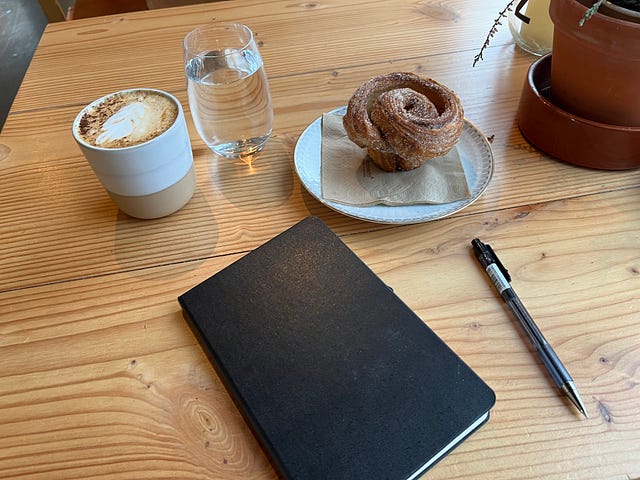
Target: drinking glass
[[533, 29], [228, 89]]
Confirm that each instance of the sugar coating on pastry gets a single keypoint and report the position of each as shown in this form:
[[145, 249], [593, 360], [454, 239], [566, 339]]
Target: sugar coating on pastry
[[403, 120]]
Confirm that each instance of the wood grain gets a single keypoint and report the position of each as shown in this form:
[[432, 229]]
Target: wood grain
[[118, 386], [60, 195], [145, 48], [102, 379]]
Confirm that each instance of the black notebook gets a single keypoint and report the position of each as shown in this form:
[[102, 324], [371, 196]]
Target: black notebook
[[335, 375]]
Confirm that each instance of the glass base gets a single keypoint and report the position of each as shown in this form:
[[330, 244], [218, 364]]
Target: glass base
[[240, 148], [529, 45]]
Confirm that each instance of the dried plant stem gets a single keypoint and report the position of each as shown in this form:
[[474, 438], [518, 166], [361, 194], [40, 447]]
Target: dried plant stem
[[590, 12], [494, 29]]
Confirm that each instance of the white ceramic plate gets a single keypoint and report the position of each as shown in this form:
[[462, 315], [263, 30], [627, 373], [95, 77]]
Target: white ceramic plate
[[475, 154]]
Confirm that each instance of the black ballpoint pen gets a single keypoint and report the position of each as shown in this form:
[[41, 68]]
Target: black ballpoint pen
[[501, 280]]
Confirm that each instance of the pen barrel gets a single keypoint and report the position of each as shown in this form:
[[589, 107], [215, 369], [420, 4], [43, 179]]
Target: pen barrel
[[518, 309], [555, 367], [547, 355]]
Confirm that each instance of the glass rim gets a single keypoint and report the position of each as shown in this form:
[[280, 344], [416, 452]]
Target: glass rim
[[218, 26]]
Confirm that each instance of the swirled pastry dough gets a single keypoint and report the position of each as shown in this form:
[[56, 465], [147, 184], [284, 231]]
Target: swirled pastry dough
[[403, 120]]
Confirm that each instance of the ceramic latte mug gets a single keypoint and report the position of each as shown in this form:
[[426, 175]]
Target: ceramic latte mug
[[137, 144]]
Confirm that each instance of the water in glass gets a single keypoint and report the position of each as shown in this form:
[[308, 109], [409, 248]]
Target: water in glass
[[230, 100]]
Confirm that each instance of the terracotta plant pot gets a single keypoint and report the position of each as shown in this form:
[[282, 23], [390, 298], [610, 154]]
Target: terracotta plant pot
[[568, 137], [595, 69]]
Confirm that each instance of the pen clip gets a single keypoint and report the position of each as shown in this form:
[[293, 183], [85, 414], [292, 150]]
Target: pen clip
[[498, 263]]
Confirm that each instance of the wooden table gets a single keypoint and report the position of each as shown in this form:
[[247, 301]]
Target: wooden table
[[100, 376]]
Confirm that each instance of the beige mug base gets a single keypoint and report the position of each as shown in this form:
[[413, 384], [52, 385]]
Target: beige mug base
[[159, 204]]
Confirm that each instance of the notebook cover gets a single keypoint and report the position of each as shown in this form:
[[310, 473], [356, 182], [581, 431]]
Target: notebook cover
[[336, 376]]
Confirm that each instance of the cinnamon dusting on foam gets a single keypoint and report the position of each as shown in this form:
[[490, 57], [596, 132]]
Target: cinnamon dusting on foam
[[129, 118]]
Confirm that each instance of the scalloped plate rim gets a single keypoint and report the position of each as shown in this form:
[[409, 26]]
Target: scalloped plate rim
[[308, 170]]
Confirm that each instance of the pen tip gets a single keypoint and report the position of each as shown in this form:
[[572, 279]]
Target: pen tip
[[579, 405], [572, 392]]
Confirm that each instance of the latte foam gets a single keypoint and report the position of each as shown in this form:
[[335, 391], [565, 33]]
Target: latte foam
[[127, 118]]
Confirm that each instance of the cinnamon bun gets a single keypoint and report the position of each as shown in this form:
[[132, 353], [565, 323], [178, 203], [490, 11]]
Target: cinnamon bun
[[403, 120]]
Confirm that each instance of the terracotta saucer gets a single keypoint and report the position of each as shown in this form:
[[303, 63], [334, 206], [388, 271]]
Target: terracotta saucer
[[568, 137]]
